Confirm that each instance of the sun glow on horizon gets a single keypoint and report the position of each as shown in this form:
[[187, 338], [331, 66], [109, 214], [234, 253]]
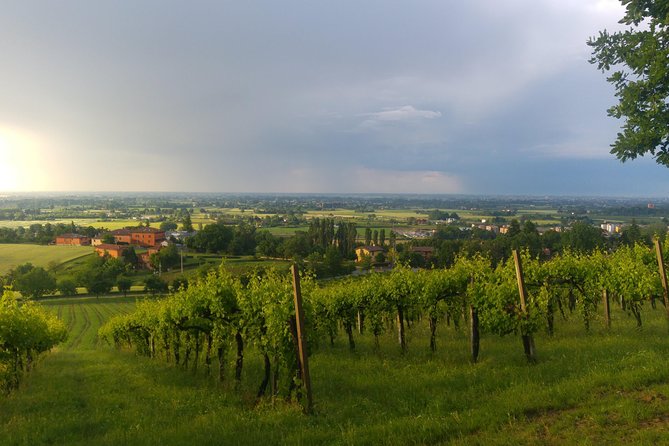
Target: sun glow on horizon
[[20, 165]]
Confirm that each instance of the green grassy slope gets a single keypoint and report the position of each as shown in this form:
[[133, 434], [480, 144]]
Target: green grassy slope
[[12, 255], [596, 388]]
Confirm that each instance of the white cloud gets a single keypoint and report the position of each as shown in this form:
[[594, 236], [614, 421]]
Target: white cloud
[[404, 114], [407, 112]]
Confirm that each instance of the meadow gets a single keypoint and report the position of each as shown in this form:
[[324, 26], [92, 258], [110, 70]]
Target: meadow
[[12, 255], [602, 387]]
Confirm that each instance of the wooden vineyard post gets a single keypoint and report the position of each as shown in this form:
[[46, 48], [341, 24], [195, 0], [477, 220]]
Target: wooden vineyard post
[[474, 336], [607, 308], [301, 348], [528, 341], [663, 275]]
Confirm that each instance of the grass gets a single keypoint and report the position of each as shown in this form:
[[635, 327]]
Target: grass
[[587, 388], [12, 255], [285, 231]]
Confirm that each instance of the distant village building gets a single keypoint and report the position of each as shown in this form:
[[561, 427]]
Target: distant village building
[[367, 251], [179, 236], [491, 228], [425, 251], [140, 236], [123, 236], [611, 228], [416, 234], [145, 257], [96, 241], [114, 251], [73, 239]]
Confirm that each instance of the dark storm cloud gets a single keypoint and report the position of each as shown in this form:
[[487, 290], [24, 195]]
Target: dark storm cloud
[[424, 96]]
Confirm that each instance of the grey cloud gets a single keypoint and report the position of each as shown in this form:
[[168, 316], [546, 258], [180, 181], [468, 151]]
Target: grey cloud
[[264, 96]]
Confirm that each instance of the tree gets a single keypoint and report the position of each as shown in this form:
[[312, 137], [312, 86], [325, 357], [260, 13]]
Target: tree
[[213, 238], [168, 226], [166, 258], [100, 274], [333, 261], [638, 58], [186, 223], [35, 282], [582, 237], [267, 244], [155, 284], [67, 287], [180, 283], [631, 234], [108, 238], [123, 284], [130, 257], [243, 240], [514, 228]]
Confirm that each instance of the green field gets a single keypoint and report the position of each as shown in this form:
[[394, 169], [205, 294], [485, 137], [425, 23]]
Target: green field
[[96, 223], [597, 388], [12, 255]]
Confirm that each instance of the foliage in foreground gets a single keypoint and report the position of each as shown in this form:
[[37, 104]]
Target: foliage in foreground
[[26, 330]]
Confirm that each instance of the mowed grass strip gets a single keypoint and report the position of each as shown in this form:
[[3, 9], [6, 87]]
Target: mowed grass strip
[[12, 255], [587, 388]]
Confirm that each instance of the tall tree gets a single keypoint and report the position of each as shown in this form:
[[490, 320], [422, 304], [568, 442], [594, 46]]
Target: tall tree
[[368, 236], [638, 58], [186, 223]]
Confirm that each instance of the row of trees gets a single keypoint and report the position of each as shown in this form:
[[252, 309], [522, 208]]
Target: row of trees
[[99, 275], [43, 233], [244, 239]]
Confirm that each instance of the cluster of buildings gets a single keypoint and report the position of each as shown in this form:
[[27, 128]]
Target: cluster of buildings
[[612, 228], [149, 240], [363, 252]]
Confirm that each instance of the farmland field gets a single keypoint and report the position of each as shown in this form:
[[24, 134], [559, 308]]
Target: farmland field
[[12, 255], [96, 223], [597, 388]]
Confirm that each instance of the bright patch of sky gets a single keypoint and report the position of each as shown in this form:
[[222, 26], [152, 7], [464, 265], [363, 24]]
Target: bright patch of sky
[[302, 96]]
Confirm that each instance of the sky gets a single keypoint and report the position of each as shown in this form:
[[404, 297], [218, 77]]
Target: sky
[[377, 96]]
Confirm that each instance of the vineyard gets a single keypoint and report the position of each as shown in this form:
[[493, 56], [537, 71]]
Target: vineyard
[[201, 327], [26, 331], [593, 380]]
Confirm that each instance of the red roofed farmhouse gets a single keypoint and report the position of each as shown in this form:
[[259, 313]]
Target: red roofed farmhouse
[[72, 239], [140, 236], [114, 251]]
